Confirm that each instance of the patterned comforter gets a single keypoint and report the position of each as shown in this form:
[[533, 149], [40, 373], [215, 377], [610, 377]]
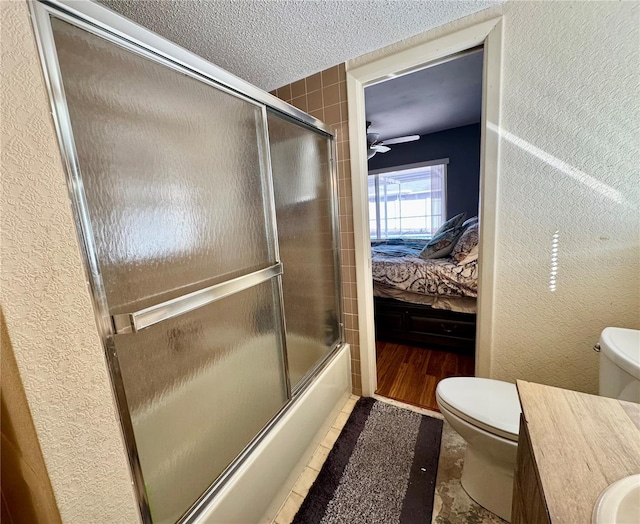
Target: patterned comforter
[[397, 264]]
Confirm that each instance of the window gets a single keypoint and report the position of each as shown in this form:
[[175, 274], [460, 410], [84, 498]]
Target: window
[[407, 202]]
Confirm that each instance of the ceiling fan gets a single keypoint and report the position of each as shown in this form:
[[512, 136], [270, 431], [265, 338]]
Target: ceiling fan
[[375, 145]]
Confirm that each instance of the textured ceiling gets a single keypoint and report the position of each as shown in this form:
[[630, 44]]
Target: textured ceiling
[[427, 101], [274, 42]]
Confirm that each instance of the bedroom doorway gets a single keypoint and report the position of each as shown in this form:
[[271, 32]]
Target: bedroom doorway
[[455, 344], [423, 152]]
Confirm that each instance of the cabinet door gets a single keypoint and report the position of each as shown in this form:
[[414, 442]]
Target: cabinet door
[[528, 503]]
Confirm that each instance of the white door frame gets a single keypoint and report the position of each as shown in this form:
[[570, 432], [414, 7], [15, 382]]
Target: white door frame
[[489, 34]]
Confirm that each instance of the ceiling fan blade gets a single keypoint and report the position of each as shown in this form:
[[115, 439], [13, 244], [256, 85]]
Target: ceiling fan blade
[[380, 148], [401, 139]]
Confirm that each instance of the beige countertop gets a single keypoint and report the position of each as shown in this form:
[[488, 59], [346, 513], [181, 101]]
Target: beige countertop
[[581, 444]]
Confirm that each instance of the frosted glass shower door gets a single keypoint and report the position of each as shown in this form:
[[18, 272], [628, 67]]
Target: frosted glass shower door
[[174, 175], [305, 199]]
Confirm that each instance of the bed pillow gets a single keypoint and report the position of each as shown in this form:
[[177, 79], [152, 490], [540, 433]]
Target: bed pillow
[[453, 222], [465, 243], [471, 257], [470, 221], [442, 244]]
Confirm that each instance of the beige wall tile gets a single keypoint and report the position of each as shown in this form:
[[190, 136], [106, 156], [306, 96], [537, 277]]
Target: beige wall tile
[[300, 102], [314, 82], [344, 111], [349, 321], [318, 113], [348, 307], [343, 130], [285, 92], [331, 94], [347, 189], [356, 380], [330, 76], [345, 151], [298, 88], [342, 91], [314, 100], [332, 117]]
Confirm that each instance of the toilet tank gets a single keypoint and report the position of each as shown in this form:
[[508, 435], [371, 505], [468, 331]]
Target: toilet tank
[[620, 364]]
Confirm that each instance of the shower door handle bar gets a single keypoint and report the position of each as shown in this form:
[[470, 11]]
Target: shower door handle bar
[[132, 322]]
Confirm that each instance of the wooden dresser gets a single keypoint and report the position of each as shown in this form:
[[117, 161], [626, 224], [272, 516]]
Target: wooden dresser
[[571, 447]]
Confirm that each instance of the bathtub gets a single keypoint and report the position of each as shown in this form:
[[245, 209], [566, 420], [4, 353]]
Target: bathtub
[[258, 489]]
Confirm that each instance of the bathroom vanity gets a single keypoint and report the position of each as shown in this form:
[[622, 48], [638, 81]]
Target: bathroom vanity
[[571, 447]]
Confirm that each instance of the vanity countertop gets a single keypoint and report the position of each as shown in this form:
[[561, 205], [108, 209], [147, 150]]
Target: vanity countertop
[[581, 443]]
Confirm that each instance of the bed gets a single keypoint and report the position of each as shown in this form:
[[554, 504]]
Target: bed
[[428, 302]]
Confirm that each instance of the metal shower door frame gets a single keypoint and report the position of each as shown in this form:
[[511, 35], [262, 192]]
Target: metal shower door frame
[[106, 24]]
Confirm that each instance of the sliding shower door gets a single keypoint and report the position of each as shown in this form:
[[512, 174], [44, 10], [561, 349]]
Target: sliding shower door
[[305, 198], [178, 195], [206, 210]]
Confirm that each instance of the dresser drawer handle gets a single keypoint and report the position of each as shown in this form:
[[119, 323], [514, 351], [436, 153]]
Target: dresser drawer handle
[[449, 330]]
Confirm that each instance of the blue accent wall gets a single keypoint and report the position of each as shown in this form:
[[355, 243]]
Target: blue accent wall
[[461, 146]]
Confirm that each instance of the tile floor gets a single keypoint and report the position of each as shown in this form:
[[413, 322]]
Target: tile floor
[[309, 474], [451, 504]]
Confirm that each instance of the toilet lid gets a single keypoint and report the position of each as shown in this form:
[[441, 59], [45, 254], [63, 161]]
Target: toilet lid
[[489, 404]]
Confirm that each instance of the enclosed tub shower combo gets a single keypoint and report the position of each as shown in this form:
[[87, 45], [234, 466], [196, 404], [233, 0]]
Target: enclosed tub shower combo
[[206, 210]]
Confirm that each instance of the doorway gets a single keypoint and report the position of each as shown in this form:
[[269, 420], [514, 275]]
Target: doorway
[[423, 139], [488, 35]]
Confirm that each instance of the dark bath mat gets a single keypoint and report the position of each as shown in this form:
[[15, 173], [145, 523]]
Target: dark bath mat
[[382, 469]]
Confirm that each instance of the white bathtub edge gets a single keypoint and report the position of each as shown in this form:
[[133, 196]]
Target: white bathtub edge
[[261, 485]]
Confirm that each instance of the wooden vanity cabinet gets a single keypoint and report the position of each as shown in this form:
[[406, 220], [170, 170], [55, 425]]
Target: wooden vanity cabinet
[[571, 446], [528, 505]]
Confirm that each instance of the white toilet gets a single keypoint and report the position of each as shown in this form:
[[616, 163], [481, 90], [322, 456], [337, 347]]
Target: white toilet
[[486, 413], [620, 364]]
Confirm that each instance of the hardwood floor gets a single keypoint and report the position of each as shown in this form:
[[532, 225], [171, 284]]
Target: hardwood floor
[[411, 374]]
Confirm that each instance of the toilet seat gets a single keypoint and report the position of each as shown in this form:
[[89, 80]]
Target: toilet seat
[[491, 405]]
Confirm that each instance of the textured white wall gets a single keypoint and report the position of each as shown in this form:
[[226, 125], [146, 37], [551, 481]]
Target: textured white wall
[[569, 164], [46, 303]]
